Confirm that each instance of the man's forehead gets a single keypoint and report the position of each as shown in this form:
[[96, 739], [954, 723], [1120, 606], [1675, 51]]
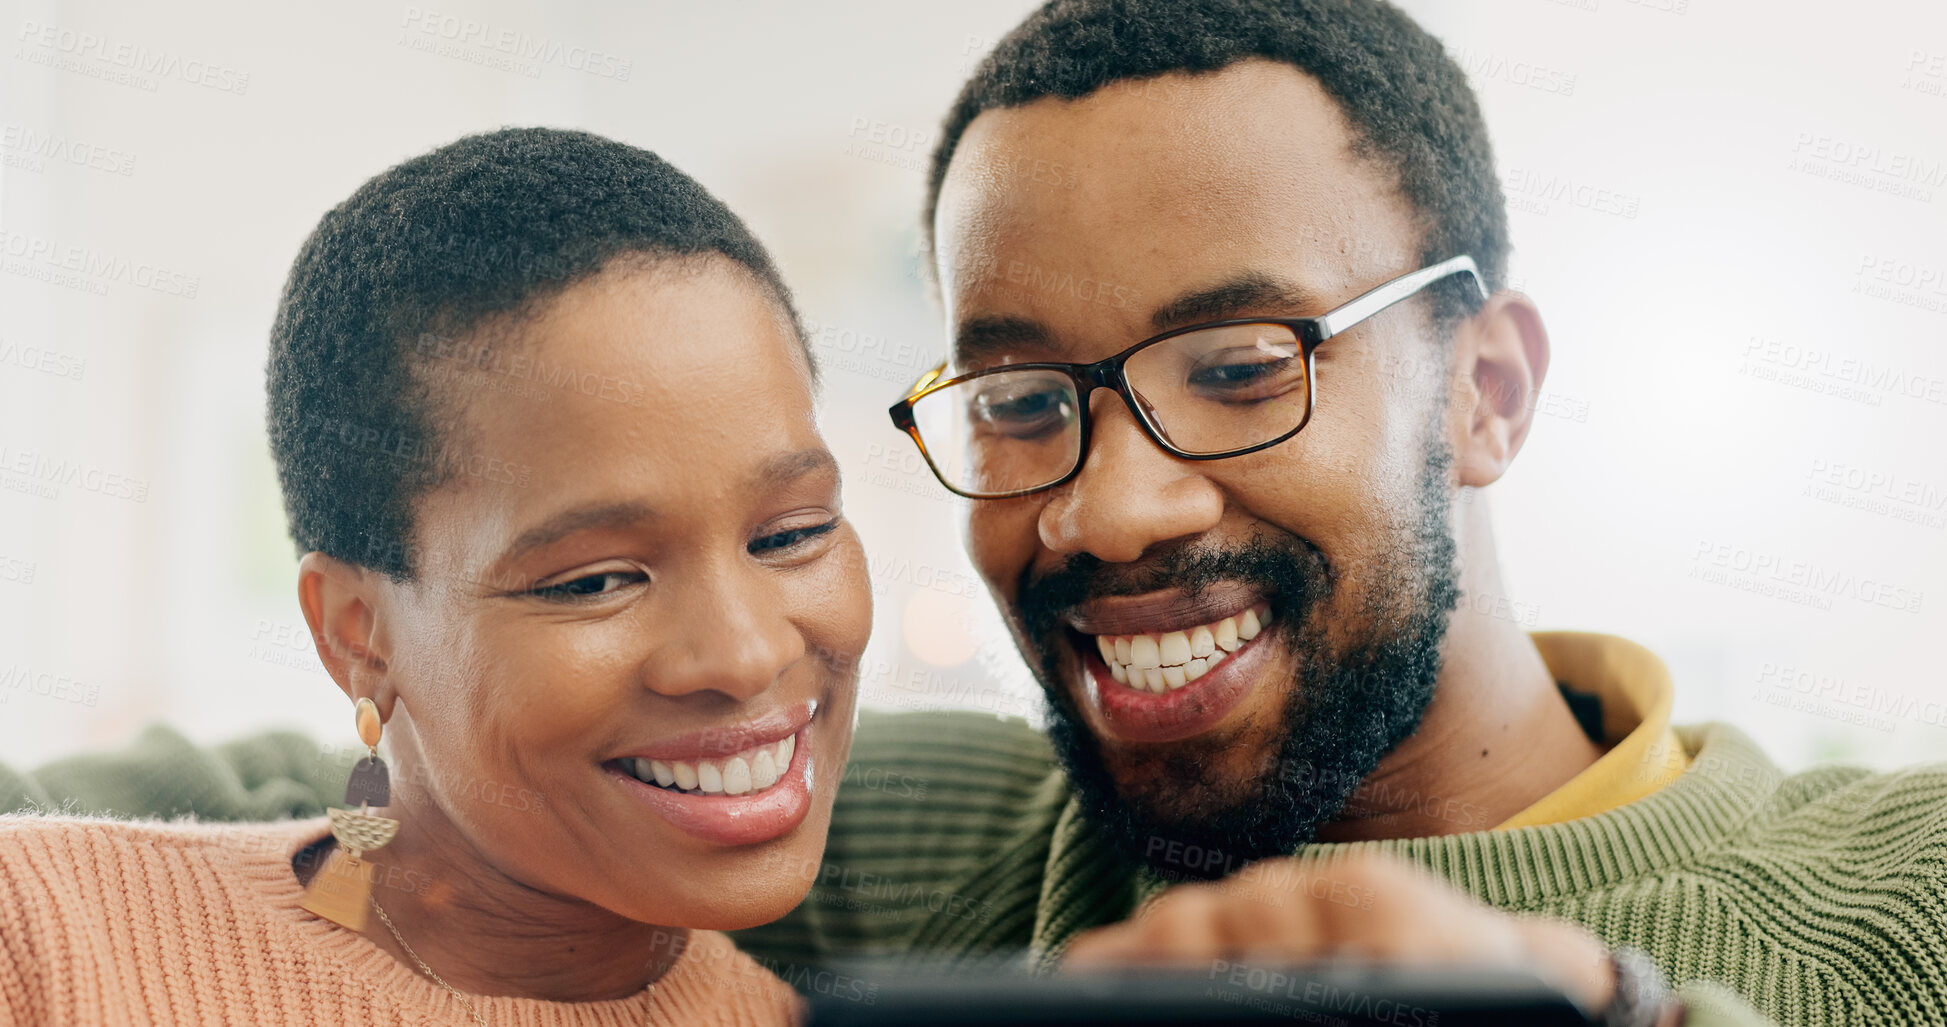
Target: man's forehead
[[1139, 205], [1256, 149], [1254, 98]]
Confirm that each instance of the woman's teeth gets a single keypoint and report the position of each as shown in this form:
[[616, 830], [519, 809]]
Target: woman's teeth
[[752, 770], [1165, 662]]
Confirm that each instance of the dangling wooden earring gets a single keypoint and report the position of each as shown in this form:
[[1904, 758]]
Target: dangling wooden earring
[[341, 891]]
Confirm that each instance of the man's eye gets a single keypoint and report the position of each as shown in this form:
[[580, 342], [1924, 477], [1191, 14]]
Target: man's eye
[[590, 586], [1251, 379], [788, 539], [1227, 375], [1025, 414]]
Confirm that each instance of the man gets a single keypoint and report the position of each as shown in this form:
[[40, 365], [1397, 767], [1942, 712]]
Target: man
[[1247, 632], [1253, 637]]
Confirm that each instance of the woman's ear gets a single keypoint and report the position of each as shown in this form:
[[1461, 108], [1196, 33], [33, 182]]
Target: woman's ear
[[341, 605], [1501, 357]]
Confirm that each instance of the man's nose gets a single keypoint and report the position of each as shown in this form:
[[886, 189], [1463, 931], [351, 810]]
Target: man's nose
[[1130, 494]]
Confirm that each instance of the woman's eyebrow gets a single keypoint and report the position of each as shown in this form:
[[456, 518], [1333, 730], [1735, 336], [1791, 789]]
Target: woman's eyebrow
[[777, 471], [581, 518]]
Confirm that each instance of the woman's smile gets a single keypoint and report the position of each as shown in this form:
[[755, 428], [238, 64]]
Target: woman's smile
[[738, 784]]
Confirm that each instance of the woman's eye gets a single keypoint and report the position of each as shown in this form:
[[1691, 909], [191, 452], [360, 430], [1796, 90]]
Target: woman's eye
[[590, 586], [788, 539]]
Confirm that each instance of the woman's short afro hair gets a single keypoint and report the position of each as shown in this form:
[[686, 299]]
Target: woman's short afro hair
[[485, 227]]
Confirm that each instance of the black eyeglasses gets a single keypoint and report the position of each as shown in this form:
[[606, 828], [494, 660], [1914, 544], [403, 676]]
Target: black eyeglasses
[[1202, 392]]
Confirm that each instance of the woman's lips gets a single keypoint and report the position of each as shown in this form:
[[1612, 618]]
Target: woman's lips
[[748, 819], [1134, 715], [773, 726]]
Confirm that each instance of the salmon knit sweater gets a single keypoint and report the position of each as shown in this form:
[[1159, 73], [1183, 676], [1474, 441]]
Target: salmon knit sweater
[[106, 922]]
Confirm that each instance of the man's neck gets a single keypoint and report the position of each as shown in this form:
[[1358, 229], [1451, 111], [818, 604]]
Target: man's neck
[[1496, 738]]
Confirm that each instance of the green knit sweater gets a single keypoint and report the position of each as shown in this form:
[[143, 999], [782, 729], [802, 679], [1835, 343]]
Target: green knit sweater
[[1817, 898]]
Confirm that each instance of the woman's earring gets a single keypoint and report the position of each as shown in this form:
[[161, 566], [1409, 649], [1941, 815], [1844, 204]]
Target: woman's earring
[[341, 891]]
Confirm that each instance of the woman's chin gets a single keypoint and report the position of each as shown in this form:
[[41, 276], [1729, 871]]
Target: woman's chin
[[755, 896]]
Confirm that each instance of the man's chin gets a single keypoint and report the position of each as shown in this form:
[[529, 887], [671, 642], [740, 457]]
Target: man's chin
[[1221, 768], [1172, 806], [1256, 782], [1182, 797]]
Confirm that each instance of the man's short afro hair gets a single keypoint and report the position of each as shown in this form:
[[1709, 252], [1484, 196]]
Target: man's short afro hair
[[486, 227], [1395, 82]]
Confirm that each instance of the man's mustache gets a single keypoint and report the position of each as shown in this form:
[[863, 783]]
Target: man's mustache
[[1294, 569]]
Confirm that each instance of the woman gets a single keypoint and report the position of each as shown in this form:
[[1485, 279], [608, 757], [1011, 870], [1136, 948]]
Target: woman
[[573, 546]]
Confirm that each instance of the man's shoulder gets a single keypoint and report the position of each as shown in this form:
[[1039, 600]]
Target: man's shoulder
[[1831, 807], [1835, 877], [981, 743], [938, 839], [1892, 812], [943, 765]]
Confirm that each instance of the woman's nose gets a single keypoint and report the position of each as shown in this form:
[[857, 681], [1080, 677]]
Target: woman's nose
[[733, 636]]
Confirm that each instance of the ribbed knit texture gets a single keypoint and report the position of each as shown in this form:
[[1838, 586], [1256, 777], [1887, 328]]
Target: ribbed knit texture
[[1820, 898], [1817, 898], [104, 922]]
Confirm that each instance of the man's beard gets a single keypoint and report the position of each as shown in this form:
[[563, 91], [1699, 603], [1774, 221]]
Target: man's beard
[[1352, 702]]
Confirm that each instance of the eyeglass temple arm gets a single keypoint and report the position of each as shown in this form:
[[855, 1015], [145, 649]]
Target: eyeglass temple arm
[[926, 379], [1392, 292]]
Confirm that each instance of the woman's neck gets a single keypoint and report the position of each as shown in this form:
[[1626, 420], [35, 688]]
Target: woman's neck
[[486, 933]]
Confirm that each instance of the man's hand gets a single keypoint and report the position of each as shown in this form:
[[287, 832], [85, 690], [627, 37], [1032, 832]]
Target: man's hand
[[1369, 907]]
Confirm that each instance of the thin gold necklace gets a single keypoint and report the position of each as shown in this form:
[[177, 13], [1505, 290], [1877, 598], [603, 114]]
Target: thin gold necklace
[[455, 992]]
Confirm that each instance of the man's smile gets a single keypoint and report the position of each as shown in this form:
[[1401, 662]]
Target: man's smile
[[1167, 666], [1166, 661]]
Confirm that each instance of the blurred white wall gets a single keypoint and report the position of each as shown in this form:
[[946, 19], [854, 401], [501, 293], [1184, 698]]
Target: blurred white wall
[[1733, 213]]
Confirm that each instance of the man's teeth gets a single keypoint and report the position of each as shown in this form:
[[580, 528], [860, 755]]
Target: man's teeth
[[752, 770], [1168, 661]]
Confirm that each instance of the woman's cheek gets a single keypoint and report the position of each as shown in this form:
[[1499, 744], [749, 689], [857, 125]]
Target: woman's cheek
[[842, 604]]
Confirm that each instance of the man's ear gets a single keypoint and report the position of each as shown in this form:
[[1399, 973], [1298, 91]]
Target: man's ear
[[341, 603], [1500, 359]]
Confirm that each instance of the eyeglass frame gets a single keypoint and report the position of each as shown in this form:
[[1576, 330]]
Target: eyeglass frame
[[1109, 372]]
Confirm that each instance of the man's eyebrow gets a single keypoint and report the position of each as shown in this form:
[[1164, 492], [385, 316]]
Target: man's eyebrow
[[981, 338], [1242, 295], [581, 518]]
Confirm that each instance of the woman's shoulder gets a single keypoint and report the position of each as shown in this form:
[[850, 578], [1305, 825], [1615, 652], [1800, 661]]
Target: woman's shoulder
[[86, 903], [28, 829], [72, 876], [84, 848]]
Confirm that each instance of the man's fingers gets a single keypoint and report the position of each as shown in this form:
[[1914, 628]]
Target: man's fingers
[[1193, 924], [1188, 924], [1273, 920], [1367, 907]]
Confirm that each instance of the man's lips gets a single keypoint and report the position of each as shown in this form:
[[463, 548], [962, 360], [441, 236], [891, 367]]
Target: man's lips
[[1163, 686], [1159, 612]]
